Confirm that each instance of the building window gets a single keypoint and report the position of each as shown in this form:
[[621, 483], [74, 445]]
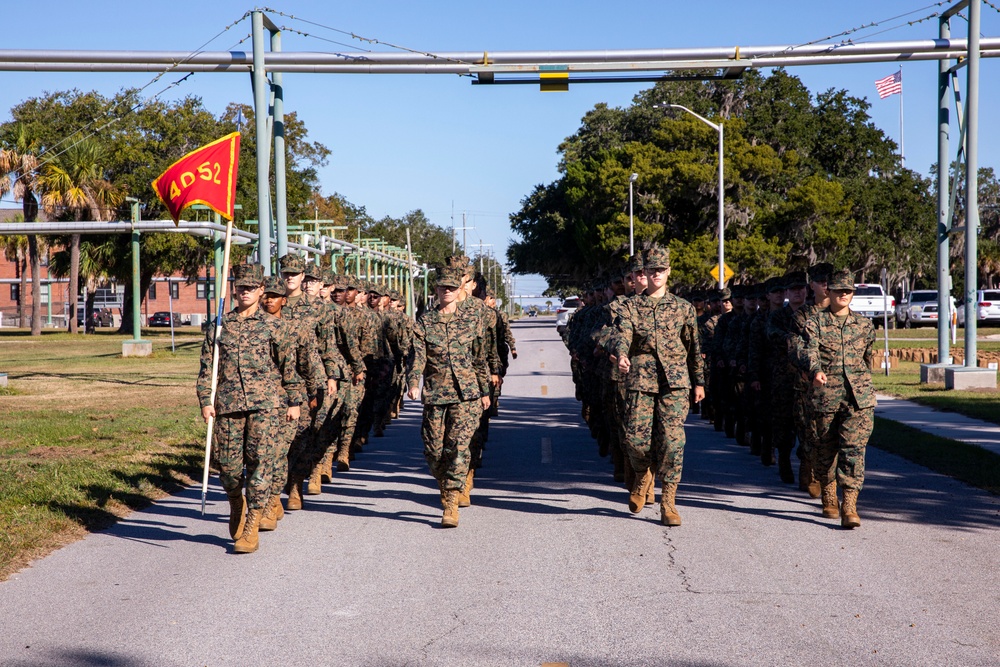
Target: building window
[[200, 289], [45, 292], [175, 290], [152, 291], [15, 293]]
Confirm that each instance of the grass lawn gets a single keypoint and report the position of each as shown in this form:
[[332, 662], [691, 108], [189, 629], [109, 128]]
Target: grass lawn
[[89, 436]]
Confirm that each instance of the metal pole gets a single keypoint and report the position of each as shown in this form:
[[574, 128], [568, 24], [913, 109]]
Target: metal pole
[[972, 186], [136, 296], [943, 199], [280, 194], [260, 124], [722, 219], [631, 221]]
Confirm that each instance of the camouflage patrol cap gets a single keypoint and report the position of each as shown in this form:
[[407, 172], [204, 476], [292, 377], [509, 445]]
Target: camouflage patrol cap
[[376, 289], [394, 295], [339, 281], [635, 263], [842, 280], [738, 291], [774, 285], [292, 264], [657, 258], [449, 276], [713, 295], [327, 275], [313, 271], [725, 294], [820, 272], [351, 281], [275, 285], [794, 279], [248, 275]]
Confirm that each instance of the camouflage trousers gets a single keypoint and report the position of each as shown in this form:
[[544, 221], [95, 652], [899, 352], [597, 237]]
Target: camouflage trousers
[[246, 445], [841, 440], [325, 427], [352, 398], [300, 439], [447, 431], [385, 393], [366, 408], [614, 402], [782, 401], [482, 433], [805, 429], [654, 432]]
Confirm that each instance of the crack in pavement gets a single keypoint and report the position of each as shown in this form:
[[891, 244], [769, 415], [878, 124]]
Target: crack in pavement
[[672, 565]]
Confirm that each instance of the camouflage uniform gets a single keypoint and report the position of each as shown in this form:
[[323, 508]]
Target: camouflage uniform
[[660, 338], [843, 408], [299, 338], [455, 380], [255, 363]]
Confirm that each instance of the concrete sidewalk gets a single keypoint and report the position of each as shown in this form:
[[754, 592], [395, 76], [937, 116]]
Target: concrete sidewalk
[[945, 424]]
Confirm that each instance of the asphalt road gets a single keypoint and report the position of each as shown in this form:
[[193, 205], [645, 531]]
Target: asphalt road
[[547, 566]]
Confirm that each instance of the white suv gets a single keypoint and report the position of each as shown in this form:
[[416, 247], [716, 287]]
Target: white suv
[[988, 305], [920, 307], [565, 311]]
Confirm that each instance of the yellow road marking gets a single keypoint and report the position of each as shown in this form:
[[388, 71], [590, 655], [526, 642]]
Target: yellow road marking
[[545, 390], [555, 664], [541, 365]]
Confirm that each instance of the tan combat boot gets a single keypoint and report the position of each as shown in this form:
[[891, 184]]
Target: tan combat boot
[[465, 496], [315, 486], [651, 493], [343, 458], [326, 467], [808, 481], [444, 494], [294, 494], [269, 519], [640, 491], [248, 541], [849, 509], [829, 494], [237, 513], [450, 517], [668, 513]]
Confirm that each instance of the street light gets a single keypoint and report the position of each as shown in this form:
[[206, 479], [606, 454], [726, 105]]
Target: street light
[[718, 128], [631, 225]]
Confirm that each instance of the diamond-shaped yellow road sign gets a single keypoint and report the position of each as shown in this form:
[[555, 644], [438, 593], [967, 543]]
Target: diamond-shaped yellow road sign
[[727, 273]]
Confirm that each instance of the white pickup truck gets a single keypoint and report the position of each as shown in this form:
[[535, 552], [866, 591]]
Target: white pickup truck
[[871, 302]]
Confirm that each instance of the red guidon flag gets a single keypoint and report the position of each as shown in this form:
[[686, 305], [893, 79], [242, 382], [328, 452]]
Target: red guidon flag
[[203, 176]]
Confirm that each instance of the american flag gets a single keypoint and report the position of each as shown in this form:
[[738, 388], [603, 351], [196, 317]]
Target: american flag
[[890, 85]]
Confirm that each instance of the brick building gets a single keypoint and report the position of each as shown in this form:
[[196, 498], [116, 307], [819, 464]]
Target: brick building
[[188, 300]]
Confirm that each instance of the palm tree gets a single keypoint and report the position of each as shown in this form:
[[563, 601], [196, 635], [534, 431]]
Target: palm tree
[[19, 175], [73, 184]]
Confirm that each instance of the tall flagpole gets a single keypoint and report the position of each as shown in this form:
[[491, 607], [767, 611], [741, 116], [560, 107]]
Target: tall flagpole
[[902, 150], [215, 359]]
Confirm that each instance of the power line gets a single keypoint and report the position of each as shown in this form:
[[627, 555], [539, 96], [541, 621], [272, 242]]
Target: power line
[[49, 156], [369, 40]]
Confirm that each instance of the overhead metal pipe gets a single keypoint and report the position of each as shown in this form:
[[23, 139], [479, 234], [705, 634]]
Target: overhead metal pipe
[[461, 61], [498, 57]]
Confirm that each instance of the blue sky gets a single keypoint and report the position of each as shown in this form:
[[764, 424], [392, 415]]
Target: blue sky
[[435, 141]]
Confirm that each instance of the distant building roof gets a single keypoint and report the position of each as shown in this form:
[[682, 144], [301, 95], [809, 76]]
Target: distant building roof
[[11, 214]]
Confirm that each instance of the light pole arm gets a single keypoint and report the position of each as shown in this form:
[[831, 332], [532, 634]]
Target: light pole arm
[[717, 128]]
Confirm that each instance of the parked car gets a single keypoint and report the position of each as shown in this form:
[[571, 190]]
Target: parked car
[[565, 311], [162, 319], [988, 306], [870, 301], [920, 307]]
